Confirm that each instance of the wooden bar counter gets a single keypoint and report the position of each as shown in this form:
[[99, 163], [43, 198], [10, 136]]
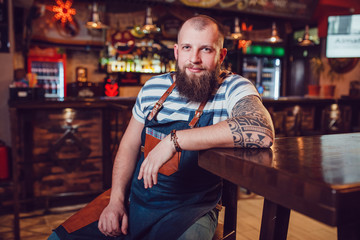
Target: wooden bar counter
[[318, 176], [43, 132], [64, 148]]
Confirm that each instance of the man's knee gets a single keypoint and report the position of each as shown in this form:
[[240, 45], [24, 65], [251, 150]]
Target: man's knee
[[202, 229]]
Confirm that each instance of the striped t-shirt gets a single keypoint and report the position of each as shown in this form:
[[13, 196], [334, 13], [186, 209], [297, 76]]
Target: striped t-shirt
[[176, 107]]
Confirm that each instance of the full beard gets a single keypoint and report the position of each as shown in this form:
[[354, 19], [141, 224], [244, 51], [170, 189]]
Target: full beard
[[197, 88]]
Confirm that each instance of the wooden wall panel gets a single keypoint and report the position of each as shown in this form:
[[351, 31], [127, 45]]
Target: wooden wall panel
[[66, 151]]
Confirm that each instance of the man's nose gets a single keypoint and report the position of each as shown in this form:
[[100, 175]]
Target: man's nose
[[195, 57]]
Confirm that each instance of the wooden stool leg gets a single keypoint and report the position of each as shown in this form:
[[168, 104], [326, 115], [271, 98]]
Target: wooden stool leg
[[349, 232], [275, 221]]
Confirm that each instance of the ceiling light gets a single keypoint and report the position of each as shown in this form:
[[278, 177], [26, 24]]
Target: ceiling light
[[149, 27], [306, 39], [236, 35], [274, 35], [94, 22]]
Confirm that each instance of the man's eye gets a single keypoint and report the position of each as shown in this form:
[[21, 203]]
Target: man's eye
[[186, 47], [207, 49]]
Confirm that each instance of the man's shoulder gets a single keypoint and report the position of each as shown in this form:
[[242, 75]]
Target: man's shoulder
[[236, 85], [162, 79], [234, 79], [154, 88]]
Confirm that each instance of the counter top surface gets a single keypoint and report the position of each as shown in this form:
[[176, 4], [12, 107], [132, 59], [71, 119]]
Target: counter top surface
[[317, 175]]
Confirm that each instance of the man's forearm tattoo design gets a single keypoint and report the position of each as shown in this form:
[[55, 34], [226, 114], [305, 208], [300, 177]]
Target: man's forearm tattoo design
[[249, 124]]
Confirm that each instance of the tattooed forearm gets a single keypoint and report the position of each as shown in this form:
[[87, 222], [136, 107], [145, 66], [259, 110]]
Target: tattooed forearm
[[251, 125]]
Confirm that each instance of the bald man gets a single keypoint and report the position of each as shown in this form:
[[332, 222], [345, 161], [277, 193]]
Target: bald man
[[175, 115]]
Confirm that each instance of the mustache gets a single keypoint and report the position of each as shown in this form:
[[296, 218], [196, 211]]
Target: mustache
[[190, 65]]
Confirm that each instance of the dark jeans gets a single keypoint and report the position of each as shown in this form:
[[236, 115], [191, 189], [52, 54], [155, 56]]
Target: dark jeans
[[202, 229]]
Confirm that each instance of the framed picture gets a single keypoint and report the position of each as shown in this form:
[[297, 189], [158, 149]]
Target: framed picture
[[81, 74]]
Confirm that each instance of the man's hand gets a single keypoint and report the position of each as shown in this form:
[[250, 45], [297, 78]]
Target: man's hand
[[160, 154], [110, 219]]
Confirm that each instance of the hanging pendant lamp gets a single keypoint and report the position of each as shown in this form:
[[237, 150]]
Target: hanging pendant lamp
[[149, 27], [236, 35], [95, 22], [306, 39], [274, 35]]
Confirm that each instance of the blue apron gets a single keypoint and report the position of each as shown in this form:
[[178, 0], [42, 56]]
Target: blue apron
[[164, 211], [177, 201]]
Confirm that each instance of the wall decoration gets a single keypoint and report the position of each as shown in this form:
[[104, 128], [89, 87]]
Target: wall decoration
[[200, 3], [300, 9], [123, 42], [63, 11], [45, 29], [342, 65], [81, 74]]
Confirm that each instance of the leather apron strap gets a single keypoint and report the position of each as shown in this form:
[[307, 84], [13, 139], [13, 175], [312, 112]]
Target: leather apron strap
[[161, 101], [197, 115]]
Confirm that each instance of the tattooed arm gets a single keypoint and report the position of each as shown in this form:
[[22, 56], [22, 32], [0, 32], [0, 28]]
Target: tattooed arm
[[251, 124]]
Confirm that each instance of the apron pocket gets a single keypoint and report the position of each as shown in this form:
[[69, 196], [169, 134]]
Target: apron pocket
[[171, 166]]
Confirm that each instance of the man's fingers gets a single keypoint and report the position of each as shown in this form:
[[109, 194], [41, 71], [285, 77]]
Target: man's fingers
[[124, 224], [100, 226], [141, 172], [148, 172], [115, 226], [147, 178], [154, 177]]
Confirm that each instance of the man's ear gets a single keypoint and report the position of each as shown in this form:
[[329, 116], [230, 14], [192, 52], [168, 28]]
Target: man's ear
[[223, 53], [176, 49]]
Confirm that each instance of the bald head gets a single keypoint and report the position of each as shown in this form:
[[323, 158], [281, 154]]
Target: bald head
[[200, 23]]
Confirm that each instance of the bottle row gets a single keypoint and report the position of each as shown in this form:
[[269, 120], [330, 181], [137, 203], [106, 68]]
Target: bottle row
[[45, 68], [51, 87], [131, 63]]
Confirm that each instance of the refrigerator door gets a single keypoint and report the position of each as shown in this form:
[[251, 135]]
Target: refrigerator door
[[270, 77], [264, 73], [49, 65], [50, 75], [252, 70]]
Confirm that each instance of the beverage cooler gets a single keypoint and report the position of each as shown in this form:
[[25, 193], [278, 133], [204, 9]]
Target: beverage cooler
[[49, 67], [265, 74], [262, 65]]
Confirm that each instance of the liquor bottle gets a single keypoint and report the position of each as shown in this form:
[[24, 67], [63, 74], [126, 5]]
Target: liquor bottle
[[53, 88], [46, 87], [57, 86], [34, 68], [56, 70]]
